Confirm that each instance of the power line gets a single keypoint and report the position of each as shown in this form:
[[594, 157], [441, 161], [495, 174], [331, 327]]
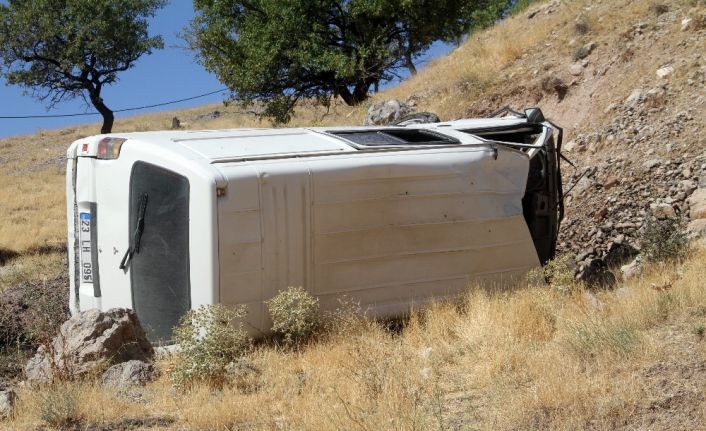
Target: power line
[[137, 108]]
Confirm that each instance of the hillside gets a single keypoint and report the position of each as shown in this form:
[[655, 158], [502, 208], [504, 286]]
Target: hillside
[[627, 81]]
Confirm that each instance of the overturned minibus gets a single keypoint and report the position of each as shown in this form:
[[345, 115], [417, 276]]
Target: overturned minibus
[[391, 217]]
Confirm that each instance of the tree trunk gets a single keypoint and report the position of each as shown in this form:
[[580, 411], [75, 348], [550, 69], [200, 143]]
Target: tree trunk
[[410, 64], [345, 94], [106, 112], [359, 94]]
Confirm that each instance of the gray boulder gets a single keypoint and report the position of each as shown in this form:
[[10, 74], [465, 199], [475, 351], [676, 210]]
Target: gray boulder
[[130, 373], [88, 342], [7, 402], [387, 112]]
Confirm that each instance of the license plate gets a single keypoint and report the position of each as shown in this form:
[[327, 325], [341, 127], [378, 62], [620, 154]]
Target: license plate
[[86, 248]]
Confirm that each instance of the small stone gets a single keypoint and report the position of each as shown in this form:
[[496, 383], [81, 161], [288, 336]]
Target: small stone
[[610, 183], [686, 23], [652, 163], [601, 213], [130, 373], [631, 269], [576, 69], [634, 98], [665, 71], [688, 185], [663, 210], [585, 50]]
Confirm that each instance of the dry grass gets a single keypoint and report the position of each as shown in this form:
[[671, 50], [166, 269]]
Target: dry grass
[[530, 359], [36, 265]]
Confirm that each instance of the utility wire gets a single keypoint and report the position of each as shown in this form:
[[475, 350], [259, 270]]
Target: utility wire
[[82, 114]]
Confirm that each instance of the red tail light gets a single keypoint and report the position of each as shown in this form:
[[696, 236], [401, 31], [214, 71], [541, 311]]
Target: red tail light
[[109, 148]]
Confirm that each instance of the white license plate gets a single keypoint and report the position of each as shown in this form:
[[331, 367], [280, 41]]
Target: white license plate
[[86, 248]]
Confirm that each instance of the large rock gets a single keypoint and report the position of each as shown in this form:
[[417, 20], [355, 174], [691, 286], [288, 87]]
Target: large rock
[[387, 112], [697, 204], [89, 342], [7, 402], [130, 373], [597, 274]]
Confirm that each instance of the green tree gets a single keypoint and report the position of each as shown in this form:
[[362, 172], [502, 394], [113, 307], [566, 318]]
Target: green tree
[[63, 49], [279, 51]]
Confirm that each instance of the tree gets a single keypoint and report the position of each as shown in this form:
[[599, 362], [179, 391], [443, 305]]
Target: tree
[[279, 52], [63, 49]]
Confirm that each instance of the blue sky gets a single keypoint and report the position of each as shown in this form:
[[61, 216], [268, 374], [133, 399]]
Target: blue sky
[[168, 74]]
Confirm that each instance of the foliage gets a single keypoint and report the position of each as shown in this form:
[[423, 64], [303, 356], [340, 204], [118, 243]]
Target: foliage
[[279, 52], [63, 49], [295, 314], [558, 272], [663, 240], [591, 337], [59, 406], [209, 338]]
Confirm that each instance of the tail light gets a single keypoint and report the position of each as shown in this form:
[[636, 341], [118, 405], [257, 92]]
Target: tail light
[[109, 148]]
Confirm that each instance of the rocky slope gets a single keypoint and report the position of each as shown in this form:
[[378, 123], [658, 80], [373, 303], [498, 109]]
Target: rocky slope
[[630, 90]]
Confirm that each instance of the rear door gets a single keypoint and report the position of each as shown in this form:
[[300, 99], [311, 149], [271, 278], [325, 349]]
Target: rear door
[[159, 248]]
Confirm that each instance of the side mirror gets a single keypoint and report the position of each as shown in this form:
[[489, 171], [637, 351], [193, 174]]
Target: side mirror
[[534, 115]]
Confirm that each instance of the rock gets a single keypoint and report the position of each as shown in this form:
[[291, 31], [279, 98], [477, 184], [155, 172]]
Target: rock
[[687, 23], [634, 98], [418, 118], [88, 342], [210, 115], [554, 84], [662, 211], [585, 51], [596, 274], [576, 69], [176, 124], [619, 252], [697, 204], [387, 112], [631, 269], [130, 373], [652, 163], [610, 183], [7, 402], [688, 186], [696, 228], [665, 71], [584, 184]]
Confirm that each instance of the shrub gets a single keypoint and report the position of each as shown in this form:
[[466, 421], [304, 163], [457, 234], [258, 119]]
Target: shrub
[[59, 406], [663, 240], [558, 272], [209, 338], [592, 337], [295, 314]]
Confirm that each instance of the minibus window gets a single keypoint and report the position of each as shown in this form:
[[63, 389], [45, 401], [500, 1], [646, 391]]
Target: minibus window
[[159, 242]]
